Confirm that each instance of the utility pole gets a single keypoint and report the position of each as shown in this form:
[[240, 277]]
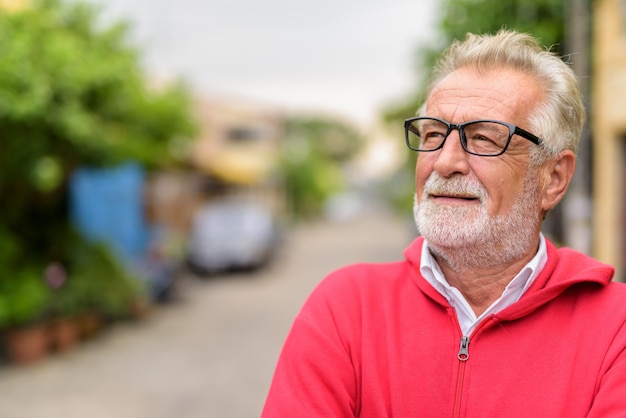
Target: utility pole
[[577, 205]]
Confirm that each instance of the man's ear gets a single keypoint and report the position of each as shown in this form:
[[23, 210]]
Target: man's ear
[[557, 175]]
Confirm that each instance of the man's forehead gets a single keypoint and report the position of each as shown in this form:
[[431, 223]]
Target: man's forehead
[[501, 91]]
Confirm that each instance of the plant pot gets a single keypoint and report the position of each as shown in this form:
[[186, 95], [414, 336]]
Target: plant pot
[[62, 334], [89, 324], [27, 345], [139, 308]]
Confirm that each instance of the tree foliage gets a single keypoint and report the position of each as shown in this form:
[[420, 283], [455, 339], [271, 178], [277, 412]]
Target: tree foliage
[[542, 18], [315, 149], [72, 92]]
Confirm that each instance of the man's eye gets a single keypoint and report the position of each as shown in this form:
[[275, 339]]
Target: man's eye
[[432, 134], [481, 138]]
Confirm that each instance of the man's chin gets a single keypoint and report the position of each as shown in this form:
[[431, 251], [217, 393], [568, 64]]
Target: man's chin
[[452, 232], [450, 241]]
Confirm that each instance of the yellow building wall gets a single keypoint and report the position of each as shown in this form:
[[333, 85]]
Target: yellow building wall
[[609, 132]]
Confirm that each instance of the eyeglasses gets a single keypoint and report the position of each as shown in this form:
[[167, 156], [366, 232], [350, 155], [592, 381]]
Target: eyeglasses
[[485, 137]]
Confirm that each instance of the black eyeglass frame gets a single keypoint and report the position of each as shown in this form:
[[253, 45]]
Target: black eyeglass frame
[[513, 130]]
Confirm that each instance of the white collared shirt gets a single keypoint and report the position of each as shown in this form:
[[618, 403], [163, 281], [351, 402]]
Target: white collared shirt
[[430, 270]]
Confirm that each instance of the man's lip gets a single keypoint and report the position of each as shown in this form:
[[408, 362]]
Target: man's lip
[[452, 196]]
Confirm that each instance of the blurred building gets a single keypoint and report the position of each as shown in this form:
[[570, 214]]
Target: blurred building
[[237, 157], [240, 146], [237, 143], [609, 132]]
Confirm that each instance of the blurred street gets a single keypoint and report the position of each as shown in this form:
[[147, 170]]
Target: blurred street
[[212, 352]]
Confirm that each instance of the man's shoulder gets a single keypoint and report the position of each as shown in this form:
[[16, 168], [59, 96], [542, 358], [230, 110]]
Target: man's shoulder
[[363, 281], [355, 291], [368, 274], [587, 273], [615, 293], [573, 265]]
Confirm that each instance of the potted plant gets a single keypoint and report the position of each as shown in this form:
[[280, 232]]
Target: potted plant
[[24, 301], [102, 283]]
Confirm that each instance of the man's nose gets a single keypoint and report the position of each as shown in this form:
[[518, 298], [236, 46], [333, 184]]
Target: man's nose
[[452, 158]]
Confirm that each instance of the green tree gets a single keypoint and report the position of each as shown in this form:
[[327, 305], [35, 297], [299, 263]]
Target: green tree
[[72, 93], [315, 151]]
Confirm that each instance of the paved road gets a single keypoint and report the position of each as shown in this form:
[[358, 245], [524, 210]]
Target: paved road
[[212, 353]]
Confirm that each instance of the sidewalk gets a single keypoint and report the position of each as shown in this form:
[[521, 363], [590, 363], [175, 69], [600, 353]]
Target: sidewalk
[[212, 353]]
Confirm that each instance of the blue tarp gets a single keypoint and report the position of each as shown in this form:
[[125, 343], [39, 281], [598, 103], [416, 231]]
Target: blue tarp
[[107, 205]]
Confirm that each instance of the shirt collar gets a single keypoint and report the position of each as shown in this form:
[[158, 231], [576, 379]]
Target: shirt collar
[[430, 270]]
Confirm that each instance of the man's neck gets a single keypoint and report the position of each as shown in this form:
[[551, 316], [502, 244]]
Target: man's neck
[[480, 285]]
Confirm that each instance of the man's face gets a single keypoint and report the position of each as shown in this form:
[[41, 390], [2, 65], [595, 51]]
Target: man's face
[[467, 199]]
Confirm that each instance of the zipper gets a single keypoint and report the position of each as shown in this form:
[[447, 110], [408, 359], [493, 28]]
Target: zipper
[[464, 349], [462, 356]]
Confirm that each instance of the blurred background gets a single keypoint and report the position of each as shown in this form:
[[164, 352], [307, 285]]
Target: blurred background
[[177, 176]]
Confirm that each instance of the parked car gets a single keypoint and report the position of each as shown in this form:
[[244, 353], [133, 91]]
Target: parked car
[[231, 234]]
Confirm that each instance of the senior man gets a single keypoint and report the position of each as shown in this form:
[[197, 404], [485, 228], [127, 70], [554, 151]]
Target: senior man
[[485, 317]]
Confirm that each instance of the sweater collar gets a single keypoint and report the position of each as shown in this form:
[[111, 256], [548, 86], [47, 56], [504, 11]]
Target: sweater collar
[[564, 268], [431, 272]]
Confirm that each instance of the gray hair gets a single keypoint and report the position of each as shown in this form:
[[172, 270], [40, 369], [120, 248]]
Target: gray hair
[[559, 120]]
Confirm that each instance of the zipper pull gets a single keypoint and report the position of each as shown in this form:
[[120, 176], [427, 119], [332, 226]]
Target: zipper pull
[[464, 349]]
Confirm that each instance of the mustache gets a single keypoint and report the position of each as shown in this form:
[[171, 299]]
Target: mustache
[[454, 186]]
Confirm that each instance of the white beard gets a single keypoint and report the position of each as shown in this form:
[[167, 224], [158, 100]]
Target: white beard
[[469, 238]]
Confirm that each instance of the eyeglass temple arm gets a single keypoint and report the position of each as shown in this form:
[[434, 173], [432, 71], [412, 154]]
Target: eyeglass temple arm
[[525, 134], [409, 126]]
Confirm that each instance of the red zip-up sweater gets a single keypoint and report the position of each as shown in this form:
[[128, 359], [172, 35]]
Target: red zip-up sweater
[[377, 340]]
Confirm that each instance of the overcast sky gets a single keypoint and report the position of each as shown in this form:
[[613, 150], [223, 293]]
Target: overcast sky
[[348, 57]]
